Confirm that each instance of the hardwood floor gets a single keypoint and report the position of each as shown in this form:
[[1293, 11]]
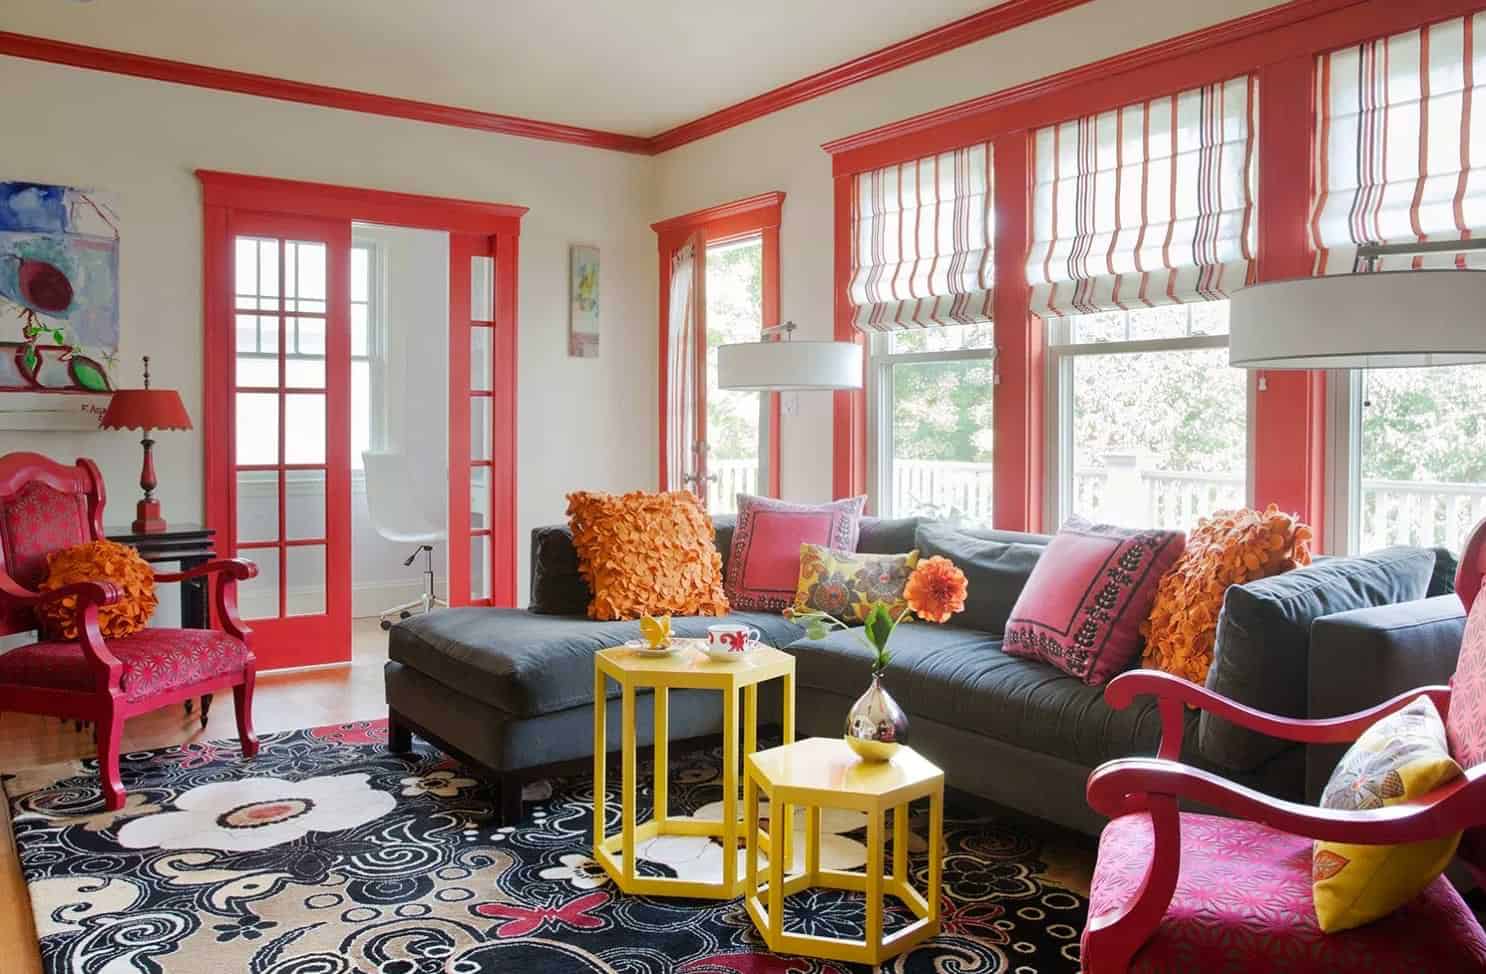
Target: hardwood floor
[[282, 701]]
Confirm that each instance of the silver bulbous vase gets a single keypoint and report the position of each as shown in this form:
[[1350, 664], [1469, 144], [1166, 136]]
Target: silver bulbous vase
[[876, 726]]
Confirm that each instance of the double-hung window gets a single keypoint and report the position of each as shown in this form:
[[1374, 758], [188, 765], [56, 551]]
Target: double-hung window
[[1401, 159], [1143, 224], [368, 393], [921, 289]]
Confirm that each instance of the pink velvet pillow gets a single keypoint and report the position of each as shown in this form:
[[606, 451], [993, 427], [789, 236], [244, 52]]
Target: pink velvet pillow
[[1082, 607], [764, 564]]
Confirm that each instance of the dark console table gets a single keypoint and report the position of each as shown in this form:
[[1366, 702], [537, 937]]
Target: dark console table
[[190, 545]]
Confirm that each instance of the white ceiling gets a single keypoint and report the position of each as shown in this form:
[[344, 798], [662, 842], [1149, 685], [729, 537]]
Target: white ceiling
[[633, 66]]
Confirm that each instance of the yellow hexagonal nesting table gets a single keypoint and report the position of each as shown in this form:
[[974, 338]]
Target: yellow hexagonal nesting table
[[823, 772], [689, 668]]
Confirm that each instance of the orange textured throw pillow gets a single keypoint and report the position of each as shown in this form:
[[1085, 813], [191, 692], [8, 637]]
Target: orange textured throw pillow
[[1229, 548], [100, 561], [646, 554]]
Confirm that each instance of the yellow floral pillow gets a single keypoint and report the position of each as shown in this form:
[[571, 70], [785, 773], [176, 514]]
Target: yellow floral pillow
[[100, 561], [1401, 757], [1229, 548], [846, 583], [645, 554]]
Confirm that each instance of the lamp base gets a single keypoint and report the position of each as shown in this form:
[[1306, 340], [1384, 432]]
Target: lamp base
[[147, 519]]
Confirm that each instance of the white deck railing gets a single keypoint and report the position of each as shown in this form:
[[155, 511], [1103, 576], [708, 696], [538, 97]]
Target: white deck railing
[[730, 478], [1393, 511]]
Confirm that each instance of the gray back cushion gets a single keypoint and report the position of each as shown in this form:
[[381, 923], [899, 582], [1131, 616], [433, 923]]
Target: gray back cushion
[[887, 536], [1262, 655], [996, 568]]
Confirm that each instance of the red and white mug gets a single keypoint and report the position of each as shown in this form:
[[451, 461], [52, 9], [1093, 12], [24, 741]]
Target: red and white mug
[[730, 641]]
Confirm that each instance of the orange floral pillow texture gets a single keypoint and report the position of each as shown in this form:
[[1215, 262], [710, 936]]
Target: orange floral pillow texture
[[646, 554], [100, 561], [1229, 548]]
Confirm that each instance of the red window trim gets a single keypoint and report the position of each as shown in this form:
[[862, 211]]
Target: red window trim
[[760, 215], [224, 194], [1280, 44]]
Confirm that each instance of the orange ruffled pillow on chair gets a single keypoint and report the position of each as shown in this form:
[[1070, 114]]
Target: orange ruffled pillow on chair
[[1229, 548], [100, 561], [647, 554]]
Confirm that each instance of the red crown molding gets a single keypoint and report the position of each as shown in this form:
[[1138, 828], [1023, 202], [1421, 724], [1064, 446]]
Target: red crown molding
[[748, 215], [1224, 49], [245, 83], [966, 30]]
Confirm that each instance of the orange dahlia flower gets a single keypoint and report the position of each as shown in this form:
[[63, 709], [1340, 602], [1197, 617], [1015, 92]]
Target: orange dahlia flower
[[936, 589]]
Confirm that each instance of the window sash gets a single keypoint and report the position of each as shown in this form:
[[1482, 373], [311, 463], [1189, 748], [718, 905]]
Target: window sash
[[1400, 155], [881, 452], [1062, 352], [923, 242], [1149, 204]]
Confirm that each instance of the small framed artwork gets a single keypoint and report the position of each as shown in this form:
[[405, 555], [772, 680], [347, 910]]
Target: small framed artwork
[[583, 301]]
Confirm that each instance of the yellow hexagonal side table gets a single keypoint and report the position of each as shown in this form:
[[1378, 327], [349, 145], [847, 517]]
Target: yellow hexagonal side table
[[823, 772], [689, 668]]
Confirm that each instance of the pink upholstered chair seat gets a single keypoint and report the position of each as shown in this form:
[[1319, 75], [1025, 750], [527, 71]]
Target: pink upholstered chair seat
[[1243, 903], [155, 661]]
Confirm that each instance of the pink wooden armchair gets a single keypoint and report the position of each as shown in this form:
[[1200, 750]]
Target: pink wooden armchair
[[46, 507], [1178, 891]]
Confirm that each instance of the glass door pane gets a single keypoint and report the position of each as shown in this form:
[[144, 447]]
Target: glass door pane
[[735, 314]]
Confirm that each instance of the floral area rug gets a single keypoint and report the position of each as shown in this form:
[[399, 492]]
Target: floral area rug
[[330, 855]]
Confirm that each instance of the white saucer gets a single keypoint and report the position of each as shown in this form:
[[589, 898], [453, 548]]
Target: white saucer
[[723, 656], [642, 648]]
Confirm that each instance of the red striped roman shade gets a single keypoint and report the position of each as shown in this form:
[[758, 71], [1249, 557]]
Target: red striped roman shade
[[921, 235], [1401, 146], [1145, 205]]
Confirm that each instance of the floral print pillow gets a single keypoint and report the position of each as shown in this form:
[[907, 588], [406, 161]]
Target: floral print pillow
[[846, 583], [1400, 758]]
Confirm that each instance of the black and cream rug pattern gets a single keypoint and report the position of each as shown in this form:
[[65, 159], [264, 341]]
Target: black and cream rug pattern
[[328, 854]]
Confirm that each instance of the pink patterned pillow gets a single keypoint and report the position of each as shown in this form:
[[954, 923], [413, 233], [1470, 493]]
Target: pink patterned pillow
[[1082, 607], [1465, 722], [764, 565]]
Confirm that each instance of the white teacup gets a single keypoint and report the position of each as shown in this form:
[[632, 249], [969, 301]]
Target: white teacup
[[727, 641]]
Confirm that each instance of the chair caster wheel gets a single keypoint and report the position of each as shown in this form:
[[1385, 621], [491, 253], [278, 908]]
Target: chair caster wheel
[[386, 624]]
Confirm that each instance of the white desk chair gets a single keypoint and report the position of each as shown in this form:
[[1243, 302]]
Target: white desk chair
[[399, 513]]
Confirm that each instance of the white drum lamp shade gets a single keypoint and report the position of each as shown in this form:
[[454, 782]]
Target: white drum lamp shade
[[1361, 321], [789, 366]]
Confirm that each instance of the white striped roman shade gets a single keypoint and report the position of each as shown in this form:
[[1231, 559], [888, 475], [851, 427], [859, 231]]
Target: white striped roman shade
[[921, 242], [1144, 205], [1401, 150]]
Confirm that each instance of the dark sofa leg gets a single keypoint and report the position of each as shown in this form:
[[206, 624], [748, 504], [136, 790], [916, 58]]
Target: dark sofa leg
[[509, 786], [399, 738]]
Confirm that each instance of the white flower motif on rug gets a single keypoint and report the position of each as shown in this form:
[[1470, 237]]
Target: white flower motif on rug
[[445, 784], [258, 813], [581, 871]]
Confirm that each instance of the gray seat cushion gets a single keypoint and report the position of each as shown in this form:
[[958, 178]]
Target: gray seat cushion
[[960, 677], [527, 664]]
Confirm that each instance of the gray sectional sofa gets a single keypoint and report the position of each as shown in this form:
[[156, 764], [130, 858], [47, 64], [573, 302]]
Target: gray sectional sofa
[[510, 691]]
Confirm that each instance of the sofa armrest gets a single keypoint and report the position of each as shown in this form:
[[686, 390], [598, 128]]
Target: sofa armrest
[[1360, 658]]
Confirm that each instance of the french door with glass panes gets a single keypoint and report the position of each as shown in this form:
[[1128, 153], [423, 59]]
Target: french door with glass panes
[[482, 419], [289, 393]]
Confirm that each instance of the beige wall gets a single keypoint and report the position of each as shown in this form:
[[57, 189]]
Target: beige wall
[[782, 152], [584, 423]]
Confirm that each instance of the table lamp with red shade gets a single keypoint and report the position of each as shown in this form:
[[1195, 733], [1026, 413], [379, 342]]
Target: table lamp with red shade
[[146, 409]]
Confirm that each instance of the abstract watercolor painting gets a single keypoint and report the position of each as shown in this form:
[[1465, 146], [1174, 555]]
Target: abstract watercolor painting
[[59, 305], [583, 313]]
